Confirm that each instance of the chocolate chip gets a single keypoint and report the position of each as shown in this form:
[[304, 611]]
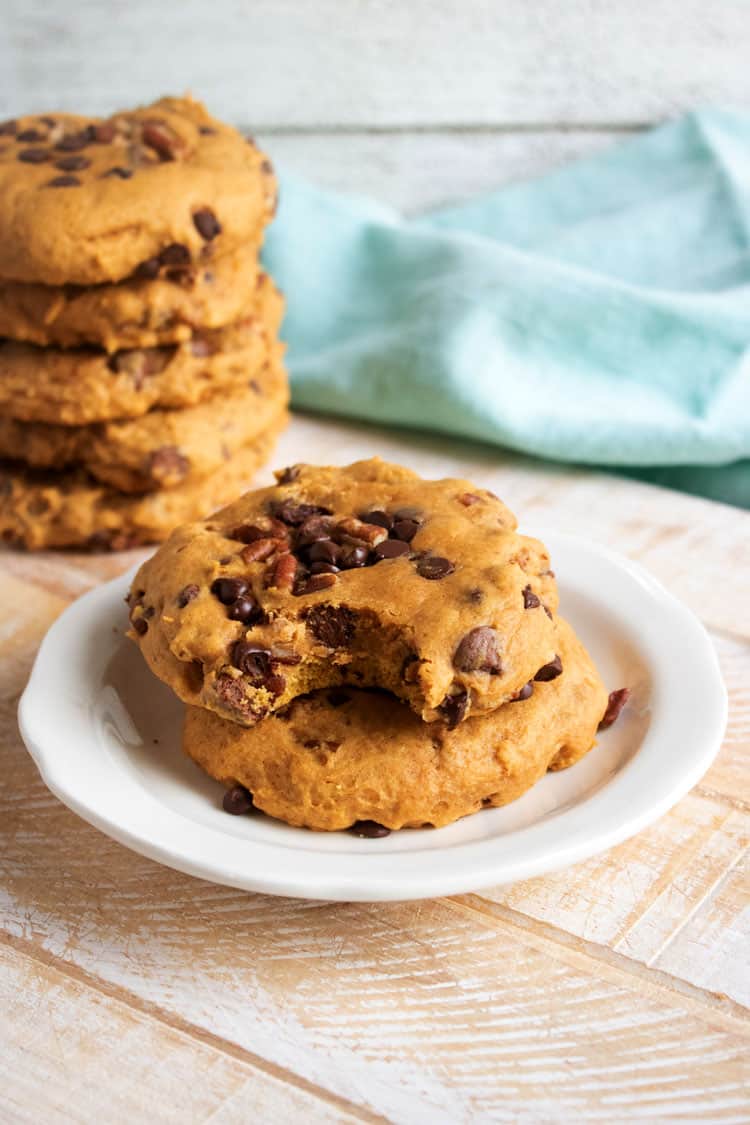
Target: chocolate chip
[[380, 519], [323, 550], [549, 671], [332, 625], [167, 464], [249, 532], [313, 530], [338, 698], [530, 600], [148, 270], [186, 595], [206, 223], [206, 131], [8, 129], [231, 692], [228, 590], [74, 142], [369, 830], [434, 567], [468, 499], [64, 181], [119, 172], [475, 596], [140, 625], [391, 549], [323, 568], [34, 155], [294, 514], [415, 514], [615, 703], [251, 660], [453, 708], [237, 800], [526, 691], [267, 167], [288, 475], [72, 163], [478, 652], [30, 136], [316, 582], [175, 255], [274, 683], [353, 557], [405, 530], [246, 610]]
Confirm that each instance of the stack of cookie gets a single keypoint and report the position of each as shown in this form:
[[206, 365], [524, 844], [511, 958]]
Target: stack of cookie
[[141, 375], [362, 648]]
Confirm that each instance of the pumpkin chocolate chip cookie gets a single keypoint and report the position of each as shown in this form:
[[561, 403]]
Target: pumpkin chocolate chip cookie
[[135, 313], [41, 509], [80, 386], [335, 759], [143, 192], [162, 448], [367, 575]]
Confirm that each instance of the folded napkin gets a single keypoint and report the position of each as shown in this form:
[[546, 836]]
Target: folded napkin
[[599, 315]]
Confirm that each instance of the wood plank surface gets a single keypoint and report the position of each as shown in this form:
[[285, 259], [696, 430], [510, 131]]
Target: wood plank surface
[[613, 991], [382, 63]]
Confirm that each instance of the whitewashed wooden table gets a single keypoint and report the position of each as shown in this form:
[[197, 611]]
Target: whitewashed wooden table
[[616, 990]]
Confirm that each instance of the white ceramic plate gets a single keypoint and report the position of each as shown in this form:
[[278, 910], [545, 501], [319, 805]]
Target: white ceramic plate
[[105, 735]]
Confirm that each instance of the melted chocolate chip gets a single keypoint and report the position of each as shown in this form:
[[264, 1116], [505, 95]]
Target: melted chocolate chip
[[206, 223], [549, 671], [478, 652], [369, 830], [253, 661], [453, 708], [332, 625], [378, 518], [231, 693], [525, 693], [434, 567], [615, 703], [186, 595], [237, 800], [391, 549], [530, 600], [175, 255], [404, 530], [148, 270]]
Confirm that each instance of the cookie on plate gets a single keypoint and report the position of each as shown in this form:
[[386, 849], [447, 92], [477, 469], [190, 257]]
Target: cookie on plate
[[41, 509], [136, 313], [367, 575], [76, 387], [340, 756], [87, 200], [162, 448]]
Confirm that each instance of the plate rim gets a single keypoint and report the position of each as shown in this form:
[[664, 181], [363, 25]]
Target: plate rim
[[369, 885]]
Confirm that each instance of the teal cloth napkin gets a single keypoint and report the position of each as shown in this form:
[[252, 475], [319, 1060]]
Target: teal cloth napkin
[[600, 315]]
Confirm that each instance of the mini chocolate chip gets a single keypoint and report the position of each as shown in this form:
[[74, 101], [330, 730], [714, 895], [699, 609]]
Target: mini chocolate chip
[[148, 270], [286, 476], [237, 800], [526, 691], [391, 549], [30, 136], [72, 163], [121, 173], [175, 255], [8, 129], [379, 518], [206, 223], [246, 610], [405, 530], [64, 181], [549, 671], [34, 155], [338, 698], [434, 567], [140, 625], [187, 594], [294, 514], [332, 625], [415, 514], [530, 600], [323, 550], [615, 703], [251, 660], [453, 708], [228, 590], [369, 830], [478, 652], [353, 557]]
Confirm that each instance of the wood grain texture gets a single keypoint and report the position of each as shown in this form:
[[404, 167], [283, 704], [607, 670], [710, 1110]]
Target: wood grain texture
[[381, 63], [613, 991]]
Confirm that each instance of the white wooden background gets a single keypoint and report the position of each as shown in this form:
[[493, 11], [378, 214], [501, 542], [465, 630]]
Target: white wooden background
[[615, 991]]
